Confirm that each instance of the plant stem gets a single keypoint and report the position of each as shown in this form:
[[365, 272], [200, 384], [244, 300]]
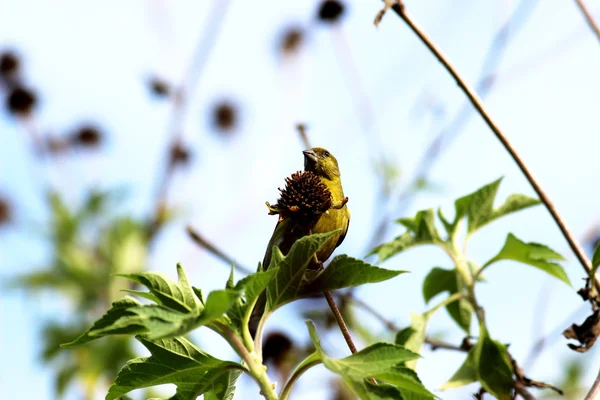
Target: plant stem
[[305, 366], [588, 17], [400, 10], [340, 320], [257, 370]]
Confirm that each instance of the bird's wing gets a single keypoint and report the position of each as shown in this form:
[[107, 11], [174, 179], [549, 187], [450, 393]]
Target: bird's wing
[[343, 235]]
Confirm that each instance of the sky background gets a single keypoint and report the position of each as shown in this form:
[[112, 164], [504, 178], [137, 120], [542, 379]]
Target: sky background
[[91, 62]]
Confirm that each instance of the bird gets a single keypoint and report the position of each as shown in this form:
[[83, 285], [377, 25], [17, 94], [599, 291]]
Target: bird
[[325, 166]]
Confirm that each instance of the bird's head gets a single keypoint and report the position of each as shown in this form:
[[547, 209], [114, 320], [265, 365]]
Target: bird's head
[[321, 162]]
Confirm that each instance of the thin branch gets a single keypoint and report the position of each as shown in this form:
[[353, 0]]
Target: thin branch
[[303, 136], [400, 10], [594, 393], [340, 320], [434, 343], [212, 249], [589, 18], [450, 131]]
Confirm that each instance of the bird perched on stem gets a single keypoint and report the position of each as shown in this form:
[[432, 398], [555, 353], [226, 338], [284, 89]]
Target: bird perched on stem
[[313, 201]]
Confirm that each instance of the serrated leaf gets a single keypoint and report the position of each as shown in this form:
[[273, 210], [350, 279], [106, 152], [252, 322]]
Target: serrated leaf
[[179, 297], [441, 280], [286, 284], [534, 254], [218, 303], [345, 272], [478, 207], [118, 310], [380, 361], [175, 361], [421, 230], [255, 283], [145, 295], [223, 387]]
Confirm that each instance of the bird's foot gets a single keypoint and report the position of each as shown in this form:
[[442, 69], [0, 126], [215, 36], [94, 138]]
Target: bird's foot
[[336, 205]]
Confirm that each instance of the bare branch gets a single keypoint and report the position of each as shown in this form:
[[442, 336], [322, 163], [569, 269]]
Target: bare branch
[[400, 10], [588, 17]]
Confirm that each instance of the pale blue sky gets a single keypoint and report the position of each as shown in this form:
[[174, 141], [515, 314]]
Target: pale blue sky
[[90, 62]]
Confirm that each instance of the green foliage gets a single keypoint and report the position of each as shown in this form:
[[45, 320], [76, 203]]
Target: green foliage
[[176, 308], [489, 363], [381, 361], [441, 280], [179, 362], [478, 207], [595, 261], [286, 284], [534, 254], [420, 230]]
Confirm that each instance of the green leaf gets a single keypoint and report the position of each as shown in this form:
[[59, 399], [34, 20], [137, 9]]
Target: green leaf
[[344, 272], [478, 207], [119, 309], [466, 373], [178, 297], [595, 261], [443, 280], [223, 387], [420, 230], [494, 369], [218, 303], [487, 362], [381, 361], [286, 284], [255, 283], [413, 337], [175, 361], [534, 254]]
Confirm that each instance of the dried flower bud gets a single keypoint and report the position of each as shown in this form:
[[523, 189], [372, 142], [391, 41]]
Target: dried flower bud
[[5, 212], [292, 40], [180, 155], [304, 198], [225, 116], [9, 65], [56, 145], [20, 101], [276, 348], [159, 87], [330, 11], [86, 136]]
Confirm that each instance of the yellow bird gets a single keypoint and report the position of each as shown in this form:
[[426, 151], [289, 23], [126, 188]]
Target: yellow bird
[[322, 163]]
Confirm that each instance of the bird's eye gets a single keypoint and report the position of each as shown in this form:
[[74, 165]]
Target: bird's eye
[[326, 154]]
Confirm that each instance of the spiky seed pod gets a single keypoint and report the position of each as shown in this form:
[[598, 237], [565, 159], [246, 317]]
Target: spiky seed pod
[[304, 198]]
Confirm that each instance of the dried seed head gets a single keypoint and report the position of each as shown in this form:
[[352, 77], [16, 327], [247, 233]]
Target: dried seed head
[[159, 87], [9, 65], [180, 155], [5, 212], [86, 136], [291, 40], [20, 101], [304, 197], [276, 347], [330, 11], [225, 116]]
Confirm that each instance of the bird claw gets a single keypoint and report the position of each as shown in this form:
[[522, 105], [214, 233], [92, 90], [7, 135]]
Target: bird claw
[[273, 210], [336, 205]]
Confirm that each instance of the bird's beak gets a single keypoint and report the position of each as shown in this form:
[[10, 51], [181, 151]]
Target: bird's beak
[[310, 155]]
